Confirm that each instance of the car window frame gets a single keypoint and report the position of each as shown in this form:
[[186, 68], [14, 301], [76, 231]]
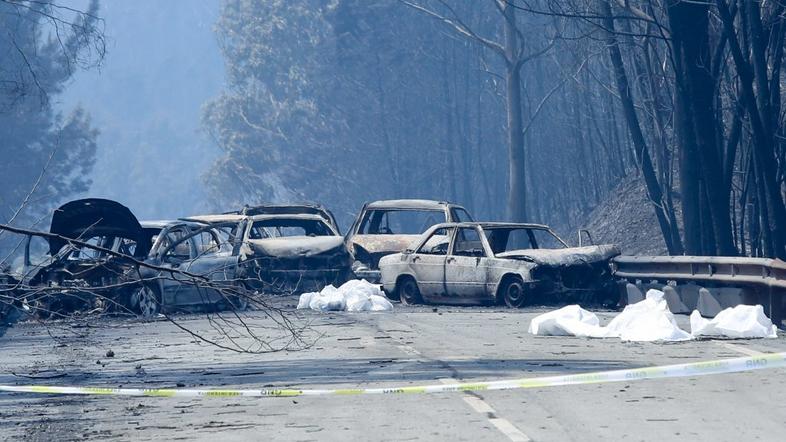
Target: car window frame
[[452, 210], [481, 237], [451, 235]]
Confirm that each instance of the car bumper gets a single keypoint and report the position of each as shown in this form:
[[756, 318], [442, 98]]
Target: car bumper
[[372, 276]]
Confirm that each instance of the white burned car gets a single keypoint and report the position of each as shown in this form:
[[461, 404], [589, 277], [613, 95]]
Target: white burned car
[[486, 263]]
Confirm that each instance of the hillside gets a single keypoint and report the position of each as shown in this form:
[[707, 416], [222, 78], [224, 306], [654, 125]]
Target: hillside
[[626, 219]]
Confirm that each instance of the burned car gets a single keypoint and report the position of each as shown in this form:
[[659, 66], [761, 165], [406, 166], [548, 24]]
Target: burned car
[[486, 263], [101, 258], [204, 270], [386, 227], [75, 277], [292, 209], [287, 253]]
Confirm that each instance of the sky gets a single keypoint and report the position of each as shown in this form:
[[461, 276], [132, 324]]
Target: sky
[[162, 65]]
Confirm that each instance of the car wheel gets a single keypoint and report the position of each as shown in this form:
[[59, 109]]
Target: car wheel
[[147, 301], [513, 293], [408, 291], [236, 303]]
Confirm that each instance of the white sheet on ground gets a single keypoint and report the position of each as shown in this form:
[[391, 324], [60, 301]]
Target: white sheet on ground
[[645, 321], [742, 321], [651, 320], [352, 296], [567, 321]]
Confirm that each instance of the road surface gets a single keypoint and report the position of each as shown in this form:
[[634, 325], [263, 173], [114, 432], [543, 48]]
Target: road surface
[[410, 346]]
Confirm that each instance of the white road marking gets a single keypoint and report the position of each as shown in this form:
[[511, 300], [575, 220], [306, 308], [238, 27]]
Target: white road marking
[[481, 406], [478, 404], [509, 430], [741, 349]]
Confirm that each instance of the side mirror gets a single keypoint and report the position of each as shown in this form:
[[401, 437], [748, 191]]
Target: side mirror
[[586, 232]]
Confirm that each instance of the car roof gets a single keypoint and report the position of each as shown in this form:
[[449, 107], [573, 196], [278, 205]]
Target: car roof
[[211, 219], [164, 223], [158, 224], [412, 204], [283, 207], [311, 216], [494, 225]]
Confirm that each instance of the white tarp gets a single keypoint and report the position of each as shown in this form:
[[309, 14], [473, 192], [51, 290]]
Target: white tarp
[[651, 320], [352, 296], [742, 321], [648, 320], [567, 321]]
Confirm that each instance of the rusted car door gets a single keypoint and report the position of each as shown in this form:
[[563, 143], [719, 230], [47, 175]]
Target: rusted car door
[[466, 267], [428, 263]]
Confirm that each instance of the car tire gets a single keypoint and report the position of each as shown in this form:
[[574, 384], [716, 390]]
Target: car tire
[[147, 301], [512, 292], [408, 291], [237, 303]]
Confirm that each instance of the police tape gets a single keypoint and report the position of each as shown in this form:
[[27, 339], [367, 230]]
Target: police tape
[[721, 366]]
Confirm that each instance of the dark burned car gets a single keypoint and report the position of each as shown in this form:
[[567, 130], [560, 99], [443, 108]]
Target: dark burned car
[[287, 253], [75, 277], [386, 227], [510, 263], [292, 209], [126, 272], [188, 248]]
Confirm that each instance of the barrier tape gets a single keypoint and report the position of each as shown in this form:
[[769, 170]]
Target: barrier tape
[[774, 360]]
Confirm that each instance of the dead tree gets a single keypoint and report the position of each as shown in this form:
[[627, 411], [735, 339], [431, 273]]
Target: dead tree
[[513, 52]]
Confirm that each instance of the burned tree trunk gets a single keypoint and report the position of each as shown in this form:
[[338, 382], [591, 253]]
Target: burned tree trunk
[[517, 210], [772, 209], [670, 232], [697, 134]]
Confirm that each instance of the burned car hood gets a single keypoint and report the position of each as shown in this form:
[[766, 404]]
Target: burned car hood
[[296, 246], [384, 243], [564, 257], [97, 217]]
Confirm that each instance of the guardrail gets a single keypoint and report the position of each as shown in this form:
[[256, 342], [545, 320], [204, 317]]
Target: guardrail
[[766, 276]]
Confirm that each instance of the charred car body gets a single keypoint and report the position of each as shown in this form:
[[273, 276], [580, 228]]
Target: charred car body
[[386, 227], [188, 248], [285, 253], [75, 277], [126, 270], [510, 263], [292, 209]]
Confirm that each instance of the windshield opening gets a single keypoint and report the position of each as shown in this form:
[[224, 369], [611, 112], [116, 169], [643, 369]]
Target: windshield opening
[[504, 240], [400, 221], [279, 228]]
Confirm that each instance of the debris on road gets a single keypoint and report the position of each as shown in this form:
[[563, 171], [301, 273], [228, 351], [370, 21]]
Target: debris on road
[[651, 320], [352, 296], [742, 321]]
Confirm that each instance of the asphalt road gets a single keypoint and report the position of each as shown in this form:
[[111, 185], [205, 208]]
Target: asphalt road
[[411, 346]]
